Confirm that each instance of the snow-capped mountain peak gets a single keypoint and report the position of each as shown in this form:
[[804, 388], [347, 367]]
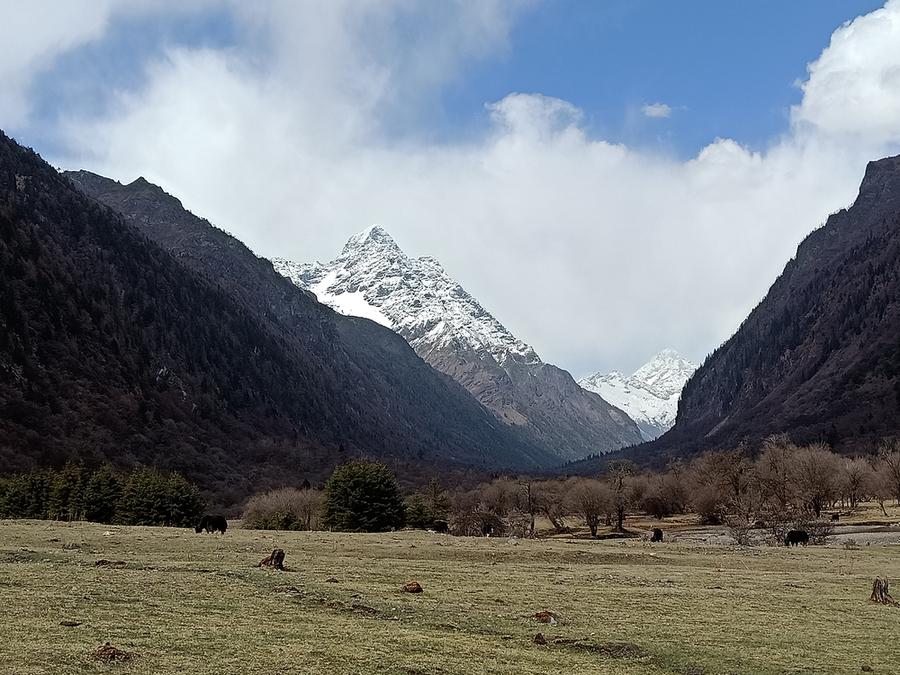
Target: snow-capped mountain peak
[[665, 374], [375, 279], [650, 395], [374, 240], [448, 328]]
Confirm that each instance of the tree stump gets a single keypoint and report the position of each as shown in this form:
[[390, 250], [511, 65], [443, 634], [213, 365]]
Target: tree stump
[[275, 560], [881, 592], [412, 587]]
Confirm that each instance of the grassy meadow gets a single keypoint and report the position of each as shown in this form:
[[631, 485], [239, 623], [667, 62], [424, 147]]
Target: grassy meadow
[[195, 603]]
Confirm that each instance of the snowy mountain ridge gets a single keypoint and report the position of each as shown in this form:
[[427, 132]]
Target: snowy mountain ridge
[[650, 395], [415, 297], [448, 328]]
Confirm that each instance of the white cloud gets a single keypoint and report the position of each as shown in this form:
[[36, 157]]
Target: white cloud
[[596, 253], [854, 86], [32, 35], [657, 110]]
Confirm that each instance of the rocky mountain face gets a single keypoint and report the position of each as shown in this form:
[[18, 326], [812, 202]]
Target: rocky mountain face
[[142, 334], [819, 357], [448, 328], [650, 395]]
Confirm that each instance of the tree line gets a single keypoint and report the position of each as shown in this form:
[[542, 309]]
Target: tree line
[[782, 485], [144, 496]]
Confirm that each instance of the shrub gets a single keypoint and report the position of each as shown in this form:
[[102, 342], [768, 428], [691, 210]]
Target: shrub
[[740, 530], [284, 509], [363, 496], [818, 530]]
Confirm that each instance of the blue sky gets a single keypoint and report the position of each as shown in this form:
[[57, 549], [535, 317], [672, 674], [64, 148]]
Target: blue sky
[[726, 69], [507, 139]]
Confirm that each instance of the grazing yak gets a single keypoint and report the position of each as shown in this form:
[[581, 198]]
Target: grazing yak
[[212, 524], [796, 538], [657, 534]]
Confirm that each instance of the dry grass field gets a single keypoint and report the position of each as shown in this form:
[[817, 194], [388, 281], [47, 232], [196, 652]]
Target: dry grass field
[[195, 603]]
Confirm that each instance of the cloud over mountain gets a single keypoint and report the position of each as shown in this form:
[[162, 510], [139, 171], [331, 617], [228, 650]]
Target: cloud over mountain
[[321, 115]]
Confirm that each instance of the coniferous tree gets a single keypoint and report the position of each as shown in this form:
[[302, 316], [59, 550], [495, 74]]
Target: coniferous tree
[[151, 498], [418, 513], [363, 496], [65, 499], [101, 495]]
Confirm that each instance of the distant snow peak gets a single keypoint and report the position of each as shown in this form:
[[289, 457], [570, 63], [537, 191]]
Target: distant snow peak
[[650, 395]]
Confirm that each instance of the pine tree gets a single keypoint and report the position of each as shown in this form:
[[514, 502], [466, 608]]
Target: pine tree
[[437, 500], [363, 496], [101, 495], [65, 500]]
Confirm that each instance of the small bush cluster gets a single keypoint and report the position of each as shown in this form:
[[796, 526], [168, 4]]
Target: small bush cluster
[[143, 497], [285, 509], [361, 496]]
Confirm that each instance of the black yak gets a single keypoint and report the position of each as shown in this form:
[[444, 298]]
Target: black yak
[[796, 537], [657, 534], [212, 524]]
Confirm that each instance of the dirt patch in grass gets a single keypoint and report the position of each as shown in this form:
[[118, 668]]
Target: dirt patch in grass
[[613, 650], [625, 651], [22, 556], [106, 653], [115, 564]]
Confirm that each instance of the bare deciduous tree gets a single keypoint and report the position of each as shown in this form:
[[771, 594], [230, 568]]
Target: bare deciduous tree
[[856, 480], [889, 464], [775, 472], [816, 473], [551, 503], [623, 491], [590, 499]]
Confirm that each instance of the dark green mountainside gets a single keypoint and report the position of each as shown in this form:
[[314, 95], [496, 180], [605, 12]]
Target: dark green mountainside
[[819, 357], [114, 349]]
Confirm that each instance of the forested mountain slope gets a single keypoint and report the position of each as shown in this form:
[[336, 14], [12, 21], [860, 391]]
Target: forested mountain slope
[[384, 399], [819, 357], [112, 349]]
